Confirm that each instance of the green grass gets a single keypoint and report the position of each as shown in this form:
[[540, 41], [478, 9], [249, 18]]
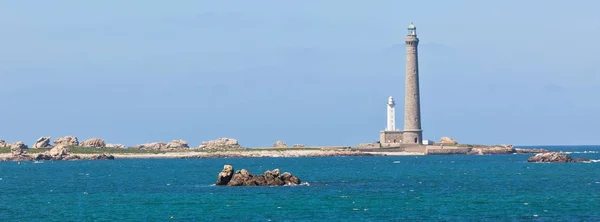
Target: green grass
[[94, 150], [282, 149]]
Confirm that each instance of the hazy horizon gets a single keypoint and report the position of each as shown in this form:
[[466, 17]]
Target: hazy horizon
[[316, 73]]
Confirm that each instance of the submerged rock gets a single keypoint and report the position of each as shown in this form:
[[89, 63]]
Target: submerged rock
[[554, 157], [243, 177]]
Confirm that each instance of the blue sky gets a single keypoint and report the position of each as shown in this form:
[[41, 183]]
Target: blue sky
[[311, 72]]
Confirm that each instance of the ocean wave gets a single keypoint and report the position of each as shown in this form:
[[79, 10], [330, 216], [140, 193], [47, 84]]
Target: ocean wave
[[586, 151]]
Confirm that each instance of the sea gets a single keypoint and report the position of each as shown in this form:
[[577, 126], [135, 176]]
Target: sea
[[388, 188]]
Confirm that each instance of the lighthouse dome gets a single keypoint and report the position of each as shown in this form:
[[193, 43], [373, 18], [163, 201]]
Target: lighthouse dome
[[412, 26]]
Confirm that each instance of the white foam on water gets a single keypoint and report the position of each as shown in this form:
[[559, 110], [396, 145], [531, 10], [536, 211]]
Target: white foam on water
[[396, 161], [585, 151]]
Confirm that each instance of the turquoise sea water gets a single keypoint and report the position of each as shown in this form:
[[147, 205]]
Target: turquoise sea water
[[392, 188]]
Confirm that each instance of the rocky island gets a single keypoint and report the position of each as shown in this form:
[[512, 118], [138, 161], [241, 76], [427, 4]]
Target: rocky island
[[70, 148], [555, 157], [243, 177]]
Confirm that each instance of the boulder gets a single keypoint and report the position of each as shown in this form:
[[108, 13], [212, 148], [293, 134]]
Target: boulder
[[102, 157], [225, 175], [42, 142], [94, 142], [18, 149], [297, 145], [221, 143], [66, 141], [115, 145], [177, 144], [150, 146], [17, 145], [243, 177], [554, 157], [280, 144], [448, 140], [3, 143], [59, 152]]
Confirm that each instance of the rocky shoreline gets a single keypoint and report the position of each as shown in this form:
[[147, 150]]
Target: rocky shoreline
[[98, 149]]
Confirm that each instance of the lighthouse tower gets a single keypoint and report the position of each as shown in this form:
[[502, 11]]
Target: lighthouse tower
[[391, 115], [413, 134]]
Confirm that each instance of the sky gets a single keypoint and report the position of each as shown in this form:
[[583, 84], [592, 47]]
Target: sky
[[311, 72]]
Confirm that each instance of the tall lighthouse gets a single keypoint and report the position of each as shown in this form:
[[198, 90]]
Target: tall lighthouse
[[413, 134]]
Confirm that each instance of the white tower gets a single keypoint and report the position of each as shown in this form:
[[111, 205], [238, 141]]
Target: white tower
[[391, 115]]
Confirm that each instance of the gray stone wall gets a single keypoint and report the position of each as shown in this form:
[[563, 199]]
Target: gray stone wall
[[390, 137]]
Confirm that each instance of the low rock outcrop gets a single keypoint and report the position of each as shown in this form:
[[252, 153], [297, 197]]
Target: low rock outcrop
[[177, 144], [297, 145], [93, 142], [66, 141], [220, 144], [102, 157], [531, 150], [150, 146], [504, 149], [115, 145], [42, 142], [554, 157], [18, 144], [280, 144], [448, 140], [2, 143], [17, 150], [60, 152], [243, 177]]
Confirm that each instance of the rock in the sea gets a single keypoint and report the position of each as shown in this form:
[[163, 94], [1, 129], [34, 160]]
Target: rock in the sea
[[221, 143], [2, 143], [531, 150], [448, 140], [150, 146], [297, 145], [225, 175], [93, 142], [66, 141], [177, 144], [280, 144], [554, 157], [102, 157], [243, 177], [42, 142], [115, 145]]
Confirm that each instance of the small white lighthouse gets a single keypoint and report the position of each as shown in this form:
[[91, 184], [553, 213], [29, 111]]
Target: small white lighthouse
[[391, 115]]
